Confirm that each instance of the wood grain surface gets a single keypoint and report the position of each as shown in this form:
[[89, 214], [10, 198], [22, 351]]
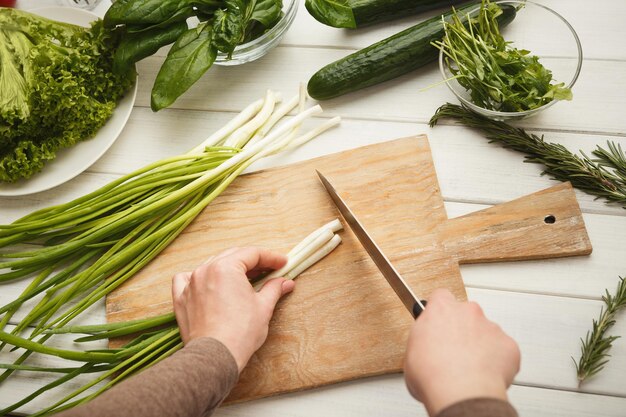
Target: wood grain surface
[[343, 321]]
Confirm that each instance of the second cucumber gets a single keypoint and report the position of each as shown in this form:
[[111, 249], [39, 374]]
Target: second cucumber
[[389, 58]]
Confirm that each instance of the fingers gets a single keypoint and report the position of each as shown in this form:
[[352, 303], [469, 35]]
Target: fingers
[[257, 258], [179, 282], [221, 255], [253, 260], [273, 289], [441, 295]]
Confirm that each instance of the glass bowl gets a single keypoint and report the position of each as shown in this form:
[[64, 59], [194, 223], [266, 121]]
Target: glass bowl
[[544, 33], [260, 46]]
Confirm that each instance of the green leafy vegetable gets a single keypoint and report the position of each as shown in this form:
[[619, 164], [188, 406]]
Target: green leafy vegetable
[[57, 87], [228, 26], [151, 24], [190, 57], [137, 46], [352, 14], [265, 12], [142, 12], [332, 13], [498, 76]]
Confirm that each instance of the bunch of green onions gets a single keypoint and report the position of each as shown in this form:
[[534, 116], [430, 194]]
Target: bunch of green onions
[[86, 248]]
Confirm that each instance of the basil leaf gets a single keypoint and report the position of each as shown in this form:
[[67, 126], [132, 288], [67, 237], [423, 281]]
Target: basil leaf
[[180, 16], [267, 12], [228, 26], [136, 46], [143, 12], [190, 57], [336, 13]]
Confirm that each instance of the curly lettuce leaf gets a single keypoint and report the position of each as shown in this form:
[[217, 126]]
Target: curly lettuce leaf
[[63, 88]]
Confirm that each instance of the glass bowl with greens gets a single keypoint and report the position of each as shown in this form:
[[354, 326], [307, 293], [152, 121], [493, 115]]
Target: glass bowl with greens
[[531, 65], [260, 43]]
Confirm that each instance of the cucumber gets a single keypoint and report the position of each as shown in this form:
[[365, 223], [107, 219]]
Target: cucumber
[[389, 58], [352, 14]]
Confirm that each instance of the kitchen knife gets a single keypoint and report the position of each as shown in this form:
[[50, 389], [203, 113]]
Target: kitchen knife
[[403, 291]]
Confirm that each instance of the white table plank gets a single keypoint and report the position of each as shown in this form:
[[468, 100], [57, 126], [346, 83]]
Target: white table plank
[[547, 329], [469, 169], [600, 86], [387, 396]]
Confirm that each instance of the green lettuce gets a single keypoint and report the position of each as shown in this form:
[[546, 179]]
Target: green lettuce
[[57, 87]]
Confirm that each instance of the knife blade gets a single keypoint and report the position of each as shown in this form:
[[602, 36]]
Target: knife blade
[[395, 280]]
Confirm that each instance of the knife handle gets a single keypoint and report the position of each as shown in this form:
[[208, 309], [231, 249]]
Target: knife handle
[[417, 310]]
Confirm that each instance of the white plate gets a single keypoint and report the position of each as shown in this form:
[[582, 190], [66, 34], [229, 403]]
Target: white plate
[[72, 161]]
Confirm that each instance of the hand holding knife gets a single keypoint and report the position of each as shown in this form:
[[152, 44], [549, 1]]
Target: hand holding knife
[[402, 290]]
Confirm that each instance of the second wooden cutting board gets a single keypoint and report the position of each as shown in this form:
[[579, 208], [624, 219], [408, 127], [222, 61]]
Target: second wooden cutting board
[[343, 321]]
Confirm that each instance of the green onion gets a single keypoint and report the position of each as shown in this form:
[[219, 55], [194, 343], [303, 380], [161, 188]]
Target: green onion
[[95, 243], [146, 349]]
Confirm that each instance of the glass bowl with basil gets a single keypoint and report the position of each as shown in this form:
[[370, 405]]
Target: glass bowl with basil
[[198, 33], [530, 66], [262, 37]]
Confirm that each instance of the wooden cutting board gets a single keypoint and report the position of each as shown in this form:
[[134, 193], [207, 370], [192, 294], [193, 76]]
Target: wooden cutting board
[[343, 321]]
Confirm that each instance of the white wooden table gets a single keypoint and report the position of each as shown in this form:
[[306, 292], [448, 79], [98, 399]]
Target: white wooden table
[[545, 305]]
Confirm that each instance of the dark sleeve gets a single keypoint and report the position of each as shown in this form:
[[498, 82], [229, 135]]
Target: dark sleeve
[[479, 407], [190, 383]]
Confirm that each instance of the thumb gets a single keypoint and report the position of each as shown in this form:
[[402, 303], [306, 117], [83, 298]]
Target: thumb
[[273, 289]]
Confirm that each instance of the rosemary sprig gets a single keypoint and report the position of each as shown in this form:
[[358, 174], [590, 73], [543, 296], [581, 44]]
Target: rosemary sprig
[[603, 176], [594, 350]]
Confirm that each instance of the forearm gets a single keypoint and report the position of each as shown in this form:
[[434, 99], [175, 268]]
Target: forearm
[[479, 407], [190, 383]]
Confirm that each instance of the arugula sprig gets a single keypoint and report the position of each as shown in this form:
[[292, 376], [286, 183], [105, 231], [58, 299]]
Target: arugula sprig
[[497, 76]]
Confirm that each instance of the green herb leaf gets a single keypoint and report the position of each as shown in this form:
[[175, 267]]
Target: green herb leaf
[[228, 26], [336, 13], [190, 57], [144, 12], [497, 76], [266, 12], [137, 46]]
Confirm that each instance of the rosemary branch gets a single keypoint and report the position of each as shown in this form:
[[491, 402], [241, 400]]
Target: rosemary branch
[[603, 176], [594, 349]]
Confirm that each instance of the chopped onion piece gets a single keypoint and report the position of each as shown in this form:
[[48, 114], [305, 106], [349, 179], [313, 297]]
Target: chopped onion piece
[[313, 259], [334, 226]]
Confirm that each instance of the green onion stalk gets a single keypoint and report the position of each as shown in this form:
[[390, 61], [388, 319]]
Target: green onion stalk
[[80, 251], [149, 348]]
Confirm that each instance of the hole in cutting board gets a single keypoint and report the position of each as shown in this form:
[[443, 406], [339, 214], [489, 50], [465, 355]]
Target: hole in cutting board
[[549, 219]]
